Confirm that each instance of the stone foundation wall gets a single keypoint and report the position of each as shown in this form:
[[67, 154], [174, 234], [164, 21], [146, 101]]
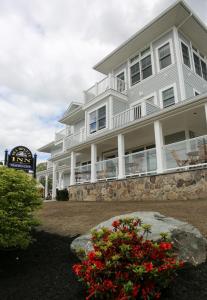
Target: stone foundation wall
[[172, 186]]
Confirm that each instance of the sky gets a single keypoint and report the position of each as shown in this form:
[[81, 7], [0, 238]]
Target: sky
[[47, 51]]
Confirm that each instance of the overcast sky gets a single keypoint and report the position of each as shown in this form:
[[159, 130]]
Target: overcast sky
[[47, 51]]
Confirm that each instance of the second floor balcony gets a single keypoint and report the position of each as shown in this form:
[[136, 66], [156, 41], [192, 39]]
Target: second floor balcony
[[110, 82]]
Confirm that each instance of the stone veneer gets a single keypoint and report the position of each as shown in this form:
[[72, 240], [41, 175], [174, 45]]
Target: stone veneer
[[169, 186]]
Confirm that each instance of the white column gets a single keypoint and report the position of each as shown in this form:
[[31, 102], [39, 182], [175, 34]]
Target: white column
[[93, 162], [179, 63], [121, 153], [54, 180], [72, 167], [206, 111], [110, 112], [46, 186], [159, 145], [60, 181]]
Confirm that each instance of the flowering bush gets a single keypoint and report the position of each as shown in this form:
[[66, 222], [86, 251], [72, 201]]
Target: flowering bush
[[125, 264]]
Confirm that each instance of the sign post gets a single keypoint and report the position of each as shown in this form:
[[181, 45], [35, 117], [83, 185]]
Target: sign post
[[21, 158]]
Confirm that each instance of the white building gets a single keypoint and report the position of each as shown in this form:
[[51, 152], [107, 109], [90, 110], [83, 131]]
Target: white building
[[147, 116]]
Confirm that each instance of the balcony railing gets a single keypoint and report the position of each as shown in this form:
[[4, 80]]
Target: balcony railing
[[143, 162], [75, 139], [83, 173], [134, 113], [107, 169], [109, 82], [185, 154]]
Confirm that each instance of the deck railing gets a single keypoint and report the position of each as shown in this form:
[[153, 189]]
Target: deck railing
[[143, 162], [107, 169], [83, 173], [75, 139], [134, 113], [185, 154], [109, 82]]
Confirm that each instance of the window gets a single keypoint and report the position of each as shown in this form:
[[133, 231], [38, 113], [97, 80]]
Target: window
[[141, 67], [186, 56], [135, 73], [121, 82], [146, 67], [168, 97], [97, 119], [197, 64], [204, 69], [164, 56]]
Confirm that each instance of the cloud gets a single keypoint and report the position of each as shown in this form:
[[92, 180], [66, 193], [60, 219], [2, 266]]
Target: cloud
[[47, 52]]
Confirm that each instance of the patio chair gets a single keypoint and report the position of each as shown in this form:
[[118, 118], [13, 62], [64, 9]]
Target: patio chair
[[180, 162]]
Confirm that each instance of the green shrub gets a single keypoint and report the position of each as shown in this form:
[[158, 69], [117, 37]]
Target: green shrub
[[19, 197], [62, 195]]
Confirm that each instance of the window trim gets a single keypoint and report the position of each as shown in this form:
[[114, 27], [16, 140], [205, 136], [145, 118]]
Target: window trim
[[171, 52], [88, 119], [174, 86], [116, 74], [197, 53]]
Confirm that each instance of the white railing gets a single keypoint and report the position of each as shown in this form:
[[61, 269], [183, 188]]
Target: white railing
[[109, 82], [143, 162], [56, 152], [185, 154], [75, 139], [107, 169], [134, 113], [83, 173]]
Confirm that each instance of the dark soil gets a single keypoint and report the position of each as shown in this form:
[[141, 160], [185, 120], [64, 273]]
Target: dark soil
[[43, 272]]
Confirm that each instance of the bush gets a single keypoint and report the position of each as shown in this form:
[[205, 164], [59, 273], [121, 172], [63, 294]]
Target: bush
[[62, 195], [19, 197], [125, 265]]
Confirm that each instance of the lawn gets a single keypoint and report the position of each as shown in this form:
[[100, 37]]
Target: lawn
[[43, 271]]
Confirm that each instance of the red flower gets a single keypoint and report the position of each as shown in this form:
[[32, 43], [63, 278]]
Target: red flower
[[116, 223], [135, 290], [92, 255], [108, 284], [148, 266], [77, 269], [165, 246]]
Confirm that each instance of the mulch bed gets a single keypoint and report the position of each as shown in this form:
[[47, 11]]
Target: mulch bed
[[43, 272]]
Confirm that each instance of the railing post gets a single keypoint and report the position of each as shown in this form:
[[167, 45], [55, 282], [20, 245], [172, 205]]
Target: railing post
[[46, 186], [159, 145], [93, 162], [110, 78], [96, 88], [54, 180], [121, 160], [206, 111], [72, 167]]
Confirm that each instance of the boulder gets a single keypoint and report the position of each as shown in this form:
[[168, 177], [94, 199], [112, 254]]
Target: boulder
[[188, 242]]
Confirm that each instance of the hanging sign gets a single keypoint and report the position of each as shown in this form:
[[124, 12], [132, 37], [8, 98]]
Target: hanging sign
[[20, 158]]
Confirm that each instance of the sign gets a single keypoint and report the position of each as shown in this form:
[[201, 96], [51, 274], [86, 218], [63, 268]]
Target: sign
[[20, 158]]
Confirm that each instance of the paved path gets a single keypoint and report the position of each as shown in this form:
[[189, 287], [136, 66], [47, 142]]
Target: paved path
[[71, 218]]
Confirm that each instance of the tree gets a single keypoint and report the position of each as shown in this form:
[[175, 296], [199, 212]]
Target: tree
[[19, 197], [41, 166]]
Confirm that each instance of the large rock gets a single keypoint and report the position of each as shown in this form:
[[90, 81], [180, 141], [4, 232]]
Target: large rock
[[189, 243]]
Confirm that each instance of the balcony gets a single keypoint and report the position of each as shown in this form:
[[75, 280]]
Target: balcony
[[134, 113], [75, 139], [109, 82]]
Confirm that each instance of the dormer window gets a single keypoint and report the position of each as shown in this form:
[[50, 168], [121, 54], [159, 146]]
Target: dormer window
[[97, 119]]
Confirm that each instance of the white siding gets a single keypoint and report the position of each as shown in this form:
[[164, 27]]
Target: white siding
[[119, 106]]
